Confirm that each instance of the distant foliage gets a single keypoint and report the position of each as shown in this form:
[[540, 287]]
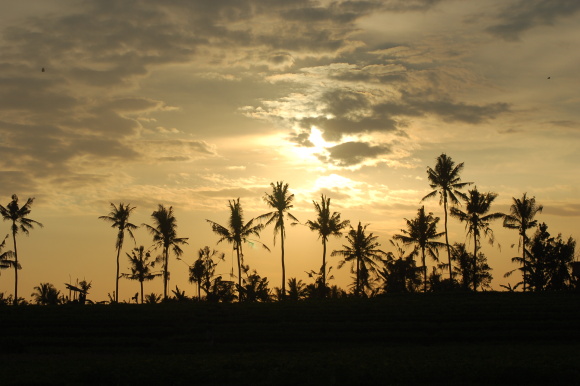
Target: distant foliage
[[46, 294]]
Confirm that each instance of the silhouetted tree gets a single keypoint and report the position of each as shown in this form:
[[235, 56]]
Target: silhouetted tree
[[18, 215], [296, 289], [164, 234], [281, 201], [421, 232], [221, 291], [141, 267], [119, 218], [6, 257], [521, 217], [400, 274], [152, 298], [477, 219], [468, 274], [203, 269], [446, 182], [549, 261], [363, 254], [326, 225], [254, 287], [46, 294], [237, 233]]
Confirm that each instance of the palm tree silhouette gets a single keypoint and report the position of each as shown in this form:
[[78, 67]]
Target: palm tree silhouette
[[46, 294], [521, 217], [237, 233], [476, 220], [280, 200], [362, 252], [141, 267], [6, 257], [119, 218], [446, 182], [20, 222], [421, 231], [203, 269], [164, 234], [326, 225]]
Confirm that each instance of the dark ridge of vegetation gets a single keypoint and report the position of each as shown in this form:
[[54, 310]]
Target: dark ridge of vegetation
[[438, 338]]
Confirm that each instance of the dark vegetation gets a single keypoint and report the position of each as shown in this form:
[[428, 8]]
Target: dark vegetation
[[436, 338]]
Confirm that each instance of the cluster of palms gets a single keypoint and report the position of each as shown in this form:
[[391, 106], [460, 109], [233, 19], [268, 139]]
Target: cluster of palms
[[419, 239]]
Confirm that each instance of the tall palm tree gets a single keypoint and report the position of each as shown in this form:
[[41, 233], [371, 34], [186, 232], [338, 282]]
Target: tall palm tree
[[119, 218], [20, 222], [141, 267], [477, 219], [362, 252], [521, 217], [281, 201], [164, 234], [326, 225], [237, 232], [445, 181], [422, 231]]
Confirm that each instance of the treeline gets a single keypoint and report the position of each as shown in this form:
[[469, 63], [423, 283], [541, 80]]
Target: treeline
[[546, 262]]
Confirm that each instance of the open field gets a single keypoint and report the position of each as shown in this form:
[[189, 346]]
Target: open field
[[485, 338]]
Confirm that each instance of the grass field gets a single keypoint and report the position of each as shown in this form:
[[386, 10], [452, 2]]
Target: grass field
[[485, 338]]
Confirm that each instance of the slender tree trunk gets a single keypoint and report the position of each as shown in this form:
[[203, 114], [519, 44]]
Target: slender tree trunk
[[165, 273], [239, 268], [283, 264], [474, 273], [117, 277], [424, 270], [141, 284], [324, 265], [524, 257], [357, 276], [199, 289], [15, 265], [447, 238]]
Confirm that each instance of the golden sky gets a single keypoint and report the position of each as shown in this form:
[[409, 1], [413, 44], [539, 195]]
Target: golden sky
[[192, 103]]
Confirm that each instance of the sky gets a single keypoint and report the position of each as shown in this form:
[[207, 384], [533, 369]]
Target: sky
[[190, 104]]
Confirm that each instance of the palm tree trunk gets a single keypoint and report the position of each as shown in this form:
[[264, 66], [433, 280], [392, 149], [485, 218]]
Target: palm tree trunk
[[324, 265], [474, 273], [239, 267], [141, 284], [424, 270], [357, 289], [15, 265], [447, 238], [283, 264], [524, 258], [117, 277], [165, 272]]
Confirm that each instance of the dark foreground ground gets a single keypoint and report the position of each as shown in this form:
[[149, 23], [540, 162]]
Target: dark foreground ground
[[487, 338]]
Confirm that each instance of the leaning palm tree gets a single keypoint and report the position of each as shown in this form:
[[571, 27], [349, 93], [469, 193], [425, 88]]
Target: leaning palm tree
[[363, 253], [521, 217], [164, 234], [326, 225], [477, 219], [141, 267], [445, 181], [421, 232], [20, 222], [237, 233], [119, 218], [281, 201]]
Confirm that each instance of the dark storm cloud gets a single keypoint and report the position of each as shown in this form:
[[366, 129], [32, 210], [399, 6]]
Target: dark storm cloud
[[353, 153], [524, 15]]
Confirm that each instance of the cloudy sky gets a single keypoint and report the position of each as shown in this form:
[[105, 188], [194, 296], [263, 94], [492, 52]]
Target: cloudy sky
[[193, 103]]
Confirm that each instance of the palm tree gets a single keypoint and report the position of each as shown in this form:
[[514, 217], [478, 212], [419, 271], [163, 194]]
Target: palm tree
[[119, 218], [46, 294], [6, 257], [203, 270], [521, 217], [362, 253], [237, 233], [20, 222], [445, 181], [165, 236], [477, 219], [326, 225], [280, 200], [141, 267], [422, 231]]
